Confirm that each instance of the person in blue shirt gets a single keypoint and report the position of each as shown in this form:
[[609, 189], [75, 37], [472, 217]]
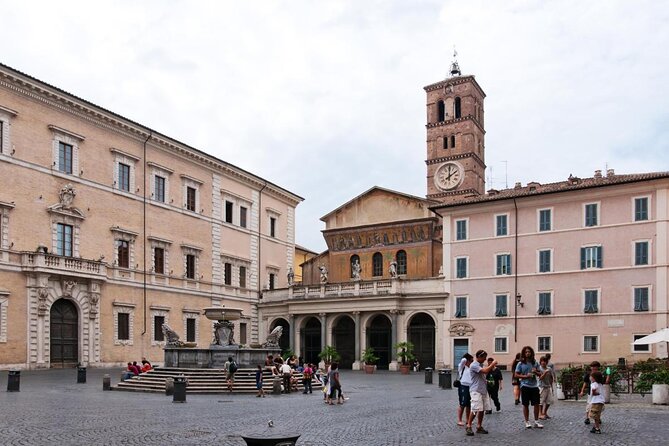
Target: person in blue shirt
[[527, 371]]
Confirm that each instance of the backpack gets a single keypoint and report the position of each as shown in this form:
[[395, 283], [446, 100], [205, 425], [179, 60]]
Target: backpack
[[233, 367], [307, 373]]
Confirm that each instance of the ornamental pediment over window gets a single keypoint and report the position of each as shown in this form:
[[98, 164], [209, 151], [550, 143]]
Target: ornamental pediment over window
[[64, 208], [461, 329]]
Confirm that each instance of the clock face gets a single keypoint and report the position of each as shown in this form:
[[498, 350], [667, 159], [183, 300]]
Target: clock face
[[448, 176]]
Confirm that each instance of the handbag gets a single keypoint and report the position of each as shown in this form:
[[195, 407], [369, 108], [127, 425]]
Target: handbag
[[457, 383]]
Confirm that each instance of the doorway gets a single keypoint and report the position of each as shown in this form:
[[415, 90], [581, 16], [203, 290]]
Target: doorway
[[460, 347], [344, 341], [421, 335], [379, 338], [64, 334], [312, 340]]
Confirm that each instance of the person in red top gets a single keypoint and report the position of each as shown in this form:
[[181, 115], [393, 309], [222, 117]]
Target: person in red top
[[135, 368], [307, 374], [146, 365]]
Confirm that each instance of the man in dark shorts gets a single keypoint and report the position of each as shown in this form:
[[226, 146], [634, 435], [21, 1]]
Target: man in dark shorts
[[527, 371], [464, 399]]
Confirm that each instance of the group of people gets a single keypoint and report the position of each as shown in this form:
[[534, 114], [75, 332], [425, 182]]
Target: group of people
[[135, 369]]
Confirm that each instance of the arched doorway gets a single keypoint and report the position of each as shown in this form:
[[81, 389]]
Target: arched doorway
[[379, 338], [64, 323], [312, 340], [344, 341], [284, 340], [421, 334]]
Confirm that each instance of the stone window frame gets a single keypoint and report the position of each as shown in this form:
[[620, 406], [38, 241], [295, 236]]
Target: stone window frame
[[598, 214], [541, 310], [649, 252], [186, 314], [456, 310], [237, 202], [646, 348], [121, 157], [550, 343], [66, 137], [5, 208], [507, 229], [272, 269], [195, 251], [157, 310], [455, 264], [160, 171], [276, 215], [456, 232], [550, 263], [599, 345], [66, 219], [598, 303], [156, 242], [550, 222], [128, 236], [648, 208], [129, 309], [504, 269], [4, 311], [506, 344], [506, 305], [236, 262], [649, 303], [6, 117], [194, 183]]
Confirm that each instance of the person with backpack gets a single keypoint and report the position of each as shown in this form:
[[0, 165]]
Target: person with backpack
[[230, 367], [307, 374]]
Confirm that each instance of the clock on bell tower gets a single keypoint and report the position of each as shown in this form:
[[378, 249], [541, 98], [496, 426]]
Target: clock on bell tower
[[455, 138]]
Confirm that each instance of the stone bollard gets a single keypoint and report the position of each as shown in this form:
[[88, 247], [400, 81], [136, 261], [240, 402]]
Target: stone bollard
[[14, 381], [169, 386], [276, 386], [106, 382]]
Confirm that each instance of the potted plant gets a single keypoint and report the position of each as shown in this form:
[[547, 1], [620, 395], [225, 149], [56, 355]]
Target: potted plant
[[370, 359], [657, 383], [329, 355], [405, 353]]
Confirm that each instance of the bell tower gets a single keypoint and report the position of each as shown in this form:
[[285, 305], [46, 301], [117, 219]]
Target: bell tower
[[455, 138]]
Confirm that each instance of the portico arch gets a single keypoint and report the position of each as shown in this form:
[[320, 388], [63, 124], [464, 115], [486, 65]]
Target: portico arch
[[311, 339], [421, 332], [284, 340], [379, 337], [343, 336]]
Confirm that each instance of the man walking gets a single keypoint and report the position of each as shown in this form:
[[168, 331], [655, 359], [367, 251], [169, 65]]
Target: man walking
[[527, 371], [495, 380], [478, 391]]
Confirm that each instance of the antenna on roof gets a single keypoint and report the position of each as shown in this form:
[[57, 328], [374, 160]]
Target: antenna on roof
[[506, 174], [455, 68]]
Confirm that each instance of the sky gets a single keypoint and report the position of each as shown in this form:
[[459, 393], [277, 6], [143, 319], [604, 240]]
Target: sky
[[326, 99]]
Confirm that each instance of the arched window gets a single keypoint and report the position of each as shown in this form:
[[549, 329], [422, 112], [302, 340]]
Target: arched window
[[355, 258], [441, 111], [401, 262], [458, 112], [377, 264], [445, 142], [453, 142]]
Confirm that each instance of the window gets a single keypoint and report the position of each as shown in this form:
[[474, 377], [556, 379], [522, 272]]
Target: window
[[272, 227], [458, 111], [591, 304], [590, 344], [545, 220], [159, 260], [544, 344], [272, 281], [441, 111], [591, 257], [501, 305], [641, 253], [64, 240], [159, 188], [401, 262], [377, 265], [242, 277], [158, 322], [191, 198], [190, 329], [591, 214], [641, 348], [4, 302], [501, 225], [242, 216], [227, 278], [452, 141], [545, 261], [123, 329], [6, 115], [503, 264], [500, 345], [461, 267], [641, 209], [123, 177], [123, 253], [460, 307], [2, 136], [544, 303], [461, 230], [444, 142], [641, 299], [242, 333], [229, 209], [65, 152], [190, 266], [354, 259]]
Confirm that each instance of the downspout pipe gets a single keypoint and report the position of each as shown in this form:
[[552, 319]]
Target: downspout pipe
[[260, 237], [145, 238], [516, 296]]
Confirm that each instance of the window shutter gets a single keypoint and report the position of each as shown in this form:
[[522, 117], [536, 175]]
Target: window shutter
[[599, 257], [582, 258]]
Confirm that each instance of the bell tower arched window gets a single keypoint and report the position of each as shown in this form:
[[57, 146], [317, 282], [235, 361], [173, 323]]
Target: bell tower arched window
[[441, 111], [401, 259], [377, 264], [458, 111], [453, 142], [445, 142]]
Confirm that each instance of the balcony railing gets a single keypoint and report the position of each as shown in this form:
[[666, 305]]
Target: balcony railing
[[38, 260]]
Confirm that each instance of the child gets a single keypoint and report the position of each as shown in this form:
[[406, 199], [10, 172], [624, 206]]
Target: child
[[259, 380], [545, 387], [596, 400]]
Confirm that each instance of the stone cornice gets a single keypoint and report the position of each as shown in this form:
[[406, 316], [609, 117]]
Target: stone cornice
[[432, 125], [458, 156], [122, 153], [457, 80], [57, 129], [160, 167]]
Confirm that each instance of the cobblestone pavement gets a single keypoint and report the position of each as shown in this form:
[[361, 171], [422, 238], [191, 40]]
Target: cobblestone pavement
[[383, 409]]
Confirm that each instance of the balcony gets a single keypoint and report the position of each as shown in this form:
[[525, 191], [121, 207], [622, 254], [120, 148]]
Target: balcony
[[50, 263]]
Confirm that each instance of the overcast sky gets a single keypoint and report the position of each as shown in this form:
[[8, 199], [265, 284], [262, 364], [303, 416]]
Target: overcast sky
[[325, 98]]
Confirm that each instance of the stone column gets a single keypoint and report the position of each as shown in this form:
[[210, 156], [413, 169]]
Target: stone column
[[393, 340], [324, 330], [357, 365], [292, 344]]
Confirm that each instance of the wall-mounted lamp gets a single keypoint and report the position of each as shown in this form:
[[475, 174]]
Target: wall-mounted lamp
[[138, 189], [81, 174], [13, 151], [519, 301], [172, 200], [11, 245]]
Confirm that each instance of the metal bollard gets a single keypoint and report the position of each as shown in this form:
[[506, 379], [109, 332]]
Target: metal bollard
[[179, 390], [169, 386], [445, 378], [14, 381], [81, 375], [276, 386], [428, 375], [106, 382]]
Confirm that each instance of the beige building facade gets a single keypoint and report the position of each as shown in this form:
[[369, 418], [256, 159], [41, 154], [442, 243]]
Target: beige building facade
[[109, 229]]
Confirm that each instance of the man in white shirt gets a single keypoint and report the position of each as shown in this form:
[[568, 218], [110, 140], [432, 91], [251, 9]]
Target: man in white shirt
[[287, 372], [464, 399]]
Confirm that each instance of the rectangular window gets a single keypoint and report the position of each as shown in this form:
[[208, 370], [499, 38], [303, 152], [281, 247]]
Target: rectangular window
[[227, 277], [461, 267], [190, 329], [641, 209], [641, 253], [591, 297], [641, 299], [460, 307], [190, 266], [159, 186], [123, 253], [503, 264], [158, 322], [545, 261], [64, 240], [229, 207], [501, 305], [2, 136], [272, 227], [500, 345], [65, 158], [242, 277], [242, 333], [545, 220], [159, 260], [544, 303], [461, 230], [590, 344], [190, 198], [242, 216], [123, 177], [591, 257], [591, 214], [544, 344], [272, 280], [641, 348], [123, 327], [501, 225]]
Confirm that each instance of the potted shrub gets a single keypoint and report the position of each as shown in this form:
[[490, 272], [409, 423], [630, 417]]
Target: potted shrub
[[657, 383], [329, 355], [370, 359], [405, 354]]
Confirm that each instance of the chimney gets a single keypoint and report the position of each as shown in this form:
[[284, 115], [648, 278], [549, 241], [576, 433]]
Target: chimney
[[518, 185], [598, 173], [610, 173]]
